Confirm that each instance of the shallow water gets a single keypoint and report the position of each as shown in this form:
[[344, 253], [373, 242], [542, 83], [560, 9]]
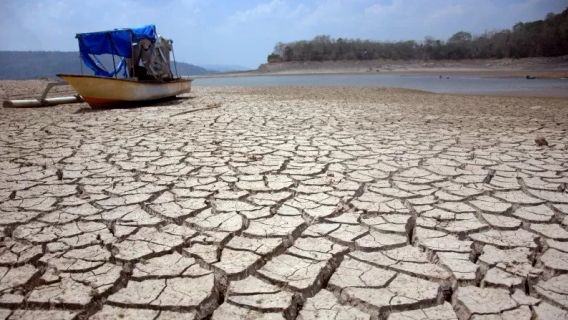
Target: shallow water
[[432, 83]]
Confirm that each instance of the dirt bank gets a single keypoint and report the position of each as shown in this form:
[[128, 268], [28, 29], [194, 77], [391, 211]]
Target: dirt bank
[[536, 67]]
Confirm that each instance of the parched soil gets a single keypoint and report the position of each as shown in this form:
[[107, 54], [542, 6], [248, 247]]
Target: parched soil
[[286, 203]]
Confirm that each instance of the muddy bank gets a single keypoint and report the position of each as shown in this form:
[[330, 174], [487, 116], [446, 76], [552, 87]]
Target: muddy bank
[[535, 67]]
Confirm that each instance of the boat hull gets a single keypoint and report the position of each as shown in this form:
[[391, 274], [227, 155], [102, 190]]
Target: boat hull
[[101, 92]]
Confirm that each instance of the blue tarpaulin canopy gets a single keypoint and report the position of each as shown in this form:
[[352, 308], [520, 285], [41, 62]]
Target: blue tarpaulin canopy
[[116, 42]]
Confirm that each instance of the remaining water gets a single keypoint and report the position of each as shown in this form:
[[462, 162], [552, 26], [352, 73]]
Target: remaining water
[[432, 83]]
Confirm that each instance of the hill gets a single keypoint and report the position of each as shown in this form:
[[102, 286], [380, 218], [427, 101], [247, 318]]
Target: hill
[[541, 38], [226, 68], [18, 65], [187, 69]]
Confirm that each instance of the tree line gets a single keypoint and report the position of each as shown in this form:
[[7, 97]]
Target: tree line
[[541, 38]]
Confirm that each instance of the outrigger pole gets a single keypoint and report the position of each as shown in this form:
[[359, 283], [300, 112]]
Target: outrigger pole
[[43, 101]]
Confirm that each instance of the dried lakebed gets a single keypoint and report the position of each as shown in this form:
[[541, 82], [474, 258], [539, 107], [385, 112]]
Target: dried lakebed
[[292, 203]]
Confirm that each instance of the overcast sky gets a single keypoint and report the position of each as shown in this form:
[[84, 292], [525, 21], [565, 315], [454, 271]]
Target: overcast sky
[[244, 32]]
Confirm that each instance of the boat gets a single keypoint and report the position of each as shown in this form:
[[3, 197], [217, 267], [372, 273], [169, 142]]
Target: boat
[[143, 73], [110, 92]]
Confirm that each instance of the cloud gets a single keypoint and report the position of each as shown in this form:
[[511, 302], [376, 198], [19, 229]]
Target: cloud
[[274, 10], [414, 19], [262, 10], [383, 8], [55, 23], [244, 32]]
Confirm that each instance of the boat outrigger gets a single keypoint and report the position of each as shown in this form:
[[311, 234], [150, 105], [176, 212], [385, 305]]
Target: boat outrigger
[[142, 74]]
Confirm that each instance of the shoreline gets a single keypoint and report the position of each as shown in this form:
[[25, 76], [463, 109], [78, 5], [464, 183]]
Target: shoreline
[[468, 84], [496, 74], [542, 67], [25, 89]]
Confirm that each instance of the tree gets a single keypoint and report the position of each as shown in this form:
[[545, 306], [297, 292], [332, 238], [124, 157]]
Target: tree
[[288, 53], [279, 49], [460, 37], [548, 37]]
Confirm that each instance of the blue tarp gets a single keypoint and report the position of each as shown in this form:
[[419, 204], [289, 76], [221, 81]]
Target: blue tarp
[[116, 42]]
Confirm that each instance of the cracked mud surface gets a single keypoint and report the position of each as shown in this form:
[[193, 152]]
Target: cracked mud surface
[[286, 204]]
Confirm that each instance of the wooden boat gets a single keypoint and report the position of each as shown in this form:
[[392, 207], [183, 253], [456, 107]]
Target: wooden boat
[[142, 75], [108, 92]]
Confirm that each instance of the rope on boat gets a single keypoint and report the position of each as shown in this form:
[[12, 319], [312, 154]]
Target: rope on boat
[[175, 63]]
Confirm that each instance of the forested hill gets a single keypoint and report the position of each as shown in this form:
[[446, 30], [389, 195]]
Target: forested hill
[[18, 65], [542, 38]]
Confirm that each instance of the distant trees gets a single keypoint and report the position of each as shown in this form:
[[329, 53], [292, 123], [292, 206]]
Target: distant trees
[[548, 37]]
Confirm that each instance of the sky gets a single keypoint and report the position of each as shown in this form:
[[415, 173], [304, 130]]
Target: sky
[[244, 32]]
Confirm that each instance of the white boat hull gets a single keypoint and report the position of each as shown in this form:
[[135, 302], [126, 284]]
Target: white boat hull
[[105, 92]]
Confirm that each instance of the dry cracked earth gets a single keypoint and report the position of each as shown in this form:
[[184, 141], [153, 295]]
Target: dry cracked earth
[[286, 204]]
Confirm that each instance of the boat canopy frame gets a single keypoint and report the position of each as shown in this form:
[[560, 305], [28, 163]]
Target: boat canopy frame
[[117, 42]]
